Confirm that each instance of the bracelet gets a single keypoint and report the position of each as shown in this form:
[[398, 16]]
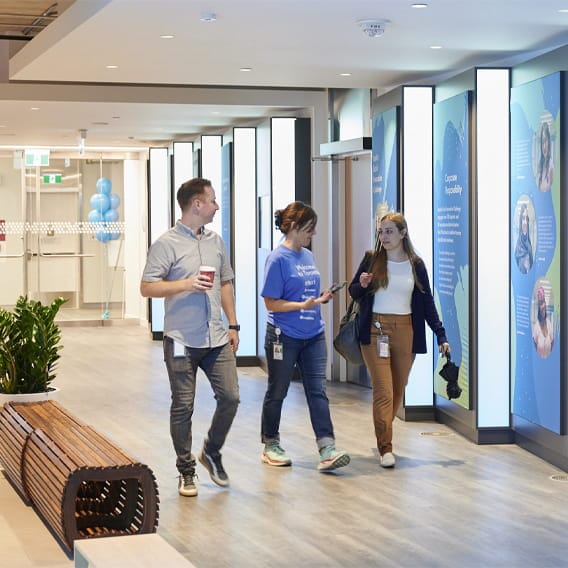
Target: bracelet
[[236, 327]]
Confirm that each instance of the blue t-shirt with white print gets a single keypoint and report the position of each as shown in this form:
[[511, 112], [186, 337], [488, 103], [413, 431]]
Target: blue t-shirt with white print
[[293, 276]]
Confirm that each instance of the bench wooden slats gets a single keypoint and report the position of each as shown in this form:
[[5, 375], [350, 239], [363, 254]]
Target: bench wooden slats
[[81, 483]]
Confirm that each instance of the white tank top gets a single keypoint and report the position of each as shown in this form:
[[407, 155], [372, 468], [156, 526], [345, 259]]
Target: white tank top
[[396, 297]]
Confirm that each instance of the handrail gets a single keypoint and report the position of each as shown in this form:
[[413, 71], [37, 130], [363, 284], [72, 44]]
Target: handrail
[[65, 255]]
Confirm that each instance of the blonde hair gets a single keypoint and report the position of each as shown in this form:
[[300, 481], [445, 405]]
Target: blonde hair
[[378, 266]]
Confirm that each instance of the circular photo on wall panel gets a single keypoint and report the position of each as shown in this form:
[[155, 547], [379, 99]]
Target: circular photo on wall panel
[[542, 317], [524, 233], [543, 152]]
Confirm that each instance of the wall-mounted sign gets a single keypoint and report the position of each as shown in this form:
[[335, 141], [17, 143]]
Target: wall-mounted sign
[[52, 178], [35, 157]]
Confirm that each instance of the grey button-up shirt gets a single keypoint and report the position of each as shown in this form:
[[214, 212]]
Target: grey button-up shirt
[[191, 318]]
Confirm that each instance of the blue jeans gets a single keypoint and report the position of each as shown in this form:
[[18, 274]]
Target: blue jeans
[[311, 357], [219, 365]]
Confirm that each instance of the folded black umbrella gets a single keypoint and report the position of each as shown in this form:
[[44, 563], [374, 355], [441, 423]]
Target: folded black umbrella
[[449, 373]]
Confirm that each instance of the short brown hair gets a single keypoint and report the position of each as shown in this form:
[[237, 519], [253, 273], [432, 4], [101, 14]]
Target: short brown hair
[[189, 190]]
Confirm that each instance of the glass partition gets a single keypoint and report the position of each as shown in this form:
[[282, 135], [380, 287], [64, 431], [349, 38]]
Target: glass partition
[[61, 234]]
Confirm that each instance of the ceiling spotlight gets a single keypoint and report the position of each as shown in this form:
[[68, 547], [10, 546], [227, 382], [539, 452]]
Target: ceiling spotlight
[[420, 5], [345, 74], [436, 47], [208, 17], [373, 27], [246, 69], [167, 36]]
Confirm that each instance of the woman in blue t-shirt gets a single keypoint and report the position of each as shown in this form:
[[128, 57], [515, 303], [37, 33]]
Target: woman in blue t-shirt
[[295, 336]]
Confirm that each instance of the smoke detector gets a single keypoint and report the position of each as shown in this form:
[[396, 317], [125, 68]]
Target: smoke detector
[[373, 27]]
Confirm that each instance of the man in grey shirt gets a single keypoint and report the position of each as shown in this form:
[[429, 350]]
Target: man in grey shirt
[[194, 332]]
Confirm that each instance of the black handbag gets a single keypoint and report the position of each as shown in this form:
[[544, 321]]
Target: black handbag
[[346, 342]]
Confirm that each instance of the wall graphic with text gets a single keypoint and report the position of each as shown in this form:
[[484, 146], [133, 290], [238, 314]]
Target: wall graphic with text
[[536, 252], [385, 164], [451, 234]]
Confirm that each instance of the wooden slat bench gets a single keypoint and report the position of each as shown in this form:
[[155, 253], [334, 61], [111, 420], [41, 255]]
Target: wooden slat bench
[[81, 483]]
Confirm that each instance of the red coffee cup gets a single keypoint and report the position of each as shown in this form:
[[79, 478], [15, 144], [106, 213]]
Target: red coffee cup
[[208, 271]]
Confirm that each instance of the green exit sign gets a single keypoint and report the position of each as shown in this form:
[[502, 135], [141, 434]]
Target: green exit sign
[[52, 178]]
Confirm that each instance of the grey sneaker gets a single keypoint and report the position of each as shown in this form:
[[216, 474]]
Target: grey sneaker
[[187, 484], [214, 466], [274, 454], [331, 459]]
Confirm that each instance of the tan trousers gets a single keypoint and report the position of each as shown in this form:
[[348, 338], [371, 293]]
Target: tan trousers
[[389, 375]]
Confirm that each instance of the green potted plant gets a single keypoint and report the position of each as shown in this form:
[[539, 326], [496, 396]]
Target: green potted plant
[[30, 342]]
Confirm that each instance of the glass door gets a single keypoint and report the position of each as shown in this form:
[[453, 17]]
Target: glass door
[[70, 252], [12, 230]]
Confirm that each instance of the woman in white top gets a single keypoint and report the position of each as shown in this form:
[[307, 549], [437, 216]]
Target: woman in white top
[[392, 288]]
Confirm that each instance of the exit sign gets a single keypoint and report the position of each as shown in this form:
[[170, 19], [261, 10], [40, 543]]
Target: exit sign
[[51, 178], [34, 157]]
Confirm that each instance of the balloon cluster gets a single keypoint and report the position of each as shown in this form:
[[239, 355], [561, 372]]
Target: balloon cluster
[[104, 206]]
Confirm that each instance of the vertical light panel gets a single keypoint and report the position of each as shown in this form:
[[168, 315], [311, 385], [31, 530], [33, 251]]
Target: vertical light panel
[[183, 171], [159, 217], [211, 170], [492, 97], [417, 200], [244, 148], [135, 240], [283, 167]]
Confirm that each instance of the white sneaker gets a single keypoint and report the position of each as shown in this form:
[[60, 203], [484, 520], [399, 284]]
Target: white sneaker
[[187, 484], [387, 460]]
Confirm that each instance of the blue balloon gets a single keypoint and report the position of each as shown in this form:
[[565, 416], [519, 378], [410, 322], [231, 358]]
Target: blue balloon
[[95, 216], [103, 236], [100, 202], [114, 200], [104, 185], [111, 216], [115, 236]]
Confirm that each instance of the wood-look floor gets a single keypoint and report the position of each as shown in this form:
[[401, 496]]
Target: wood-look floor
[[447, 503]]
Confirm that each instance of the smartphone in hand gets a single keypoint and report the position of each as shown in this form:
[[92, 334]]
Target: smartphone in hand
[[336, 287]]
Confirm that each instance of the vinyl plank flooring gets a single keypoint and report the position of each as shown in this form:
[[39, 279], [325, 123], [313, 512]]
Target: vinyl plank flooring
[[447, 503]]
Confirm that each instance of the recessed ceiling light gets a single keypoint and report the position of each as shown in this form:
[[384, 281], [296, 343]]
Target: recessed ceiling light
[[116, 117], [345, 74], [215, 112], [100, 123], [34, 108], [419, 6], [246, 69], [112, 66], [208, 17], [167, 36], [435, 47], [563, 11]]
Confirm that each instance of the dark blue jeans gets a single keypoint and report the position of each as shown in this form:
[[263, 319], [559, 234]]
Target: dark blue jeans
[[219, 365], [311, 357]]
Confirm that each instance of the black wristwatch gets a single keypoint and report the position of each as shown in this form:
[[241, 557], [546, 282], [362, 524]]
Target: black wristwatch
[[235, 327]]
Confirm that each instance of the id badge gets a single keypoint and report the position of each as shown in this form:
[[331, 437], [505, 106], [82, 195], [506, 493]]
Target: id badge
[[179, 349], [278, 351], [383, 346], [277, 347]]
